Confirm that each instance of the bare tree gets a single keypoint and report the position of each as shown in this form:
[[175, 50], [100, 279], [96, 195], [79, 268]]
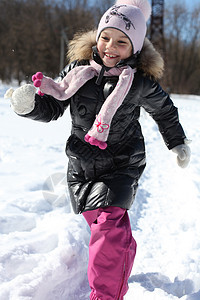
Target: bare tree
[[182, 48], [30, 32], [30, 35]]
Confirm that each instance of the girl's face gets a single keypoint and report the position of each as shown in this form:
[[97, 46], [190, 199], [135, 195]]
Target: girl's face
[[113, 46]]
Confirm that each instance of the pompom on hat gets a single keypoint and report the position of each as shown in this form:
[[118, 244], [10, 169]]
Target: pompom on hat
[[130, 17]]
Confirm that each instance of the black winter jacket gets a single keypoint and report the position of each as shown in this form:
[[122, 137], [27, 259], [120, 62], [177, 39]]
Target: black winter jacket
[[100, 178]]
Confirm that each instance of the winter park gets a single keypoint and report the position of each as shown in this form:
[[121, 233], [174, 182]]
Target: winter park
[[44, 245]]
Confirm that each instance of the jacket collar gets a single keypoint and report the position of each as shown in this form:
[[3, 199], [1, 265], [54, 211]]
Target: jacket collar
[[130, 61], [149, 61]]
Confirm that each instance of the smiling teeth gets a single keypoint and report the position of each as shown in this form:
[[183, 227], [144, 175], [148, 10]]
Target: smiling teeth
[[109, 55]]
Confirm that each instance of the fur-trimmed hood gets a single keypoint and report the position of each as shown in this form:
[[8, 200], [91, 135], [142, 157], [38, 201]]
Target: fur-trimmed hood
[[150, 61]]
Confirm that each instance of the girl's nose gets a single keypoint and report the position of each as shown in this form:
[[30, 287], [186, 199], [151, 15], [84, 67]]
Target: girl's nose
[[111, 44]]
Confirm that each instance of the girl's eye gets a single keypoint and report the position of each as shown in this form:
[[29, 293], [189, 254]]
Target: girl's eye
[[104, 38], [121, 42]]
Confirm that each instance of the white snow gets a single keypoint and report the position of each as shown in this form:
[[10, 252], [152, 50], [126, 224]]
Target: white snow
[[44, 246]]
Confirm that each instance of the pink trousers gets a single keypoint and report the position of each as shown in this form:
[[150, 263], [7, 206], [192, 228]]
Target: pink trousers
[[111, 252]]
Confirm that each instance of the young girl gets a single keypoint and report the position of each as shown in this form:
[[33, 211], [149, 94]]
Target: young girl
[[112, 73]]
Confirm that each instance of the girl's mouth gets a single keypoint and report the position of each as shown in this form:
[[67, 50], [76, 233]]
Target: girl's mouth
[[111, 55]]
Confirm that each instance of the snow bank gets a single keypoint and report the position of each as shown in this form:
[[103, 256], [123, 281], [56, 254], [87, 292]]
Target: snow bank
[[44, 246]]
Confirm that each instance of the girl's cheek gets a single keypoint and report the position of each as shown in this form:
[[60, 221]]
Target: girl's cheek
[[99, 49], [98, 46]]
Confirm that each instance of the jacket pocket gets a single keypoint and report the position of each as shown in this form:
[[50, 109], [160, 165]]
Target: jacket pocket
[[75, 146]]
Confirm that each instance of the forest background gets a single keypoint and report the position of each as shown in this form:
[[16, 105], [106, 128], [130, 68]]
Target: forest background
[[34, 35]]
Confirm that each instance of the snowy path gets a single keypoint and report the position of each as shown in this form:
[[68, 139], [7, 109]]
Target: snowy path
[[44, 246]]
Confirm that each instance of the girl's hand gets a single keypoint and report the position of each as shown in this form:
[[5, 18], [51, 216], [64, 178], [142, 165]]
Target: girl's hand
[[22, 99], [183, 154]]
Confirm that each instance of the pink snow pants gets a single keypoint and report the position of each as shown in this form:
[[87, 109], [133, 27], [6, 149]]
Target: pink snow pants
[[111, 252]]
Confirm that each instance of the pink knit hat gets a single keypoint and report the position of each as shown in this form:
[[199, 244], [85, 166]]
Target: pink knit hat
[[130, 17]]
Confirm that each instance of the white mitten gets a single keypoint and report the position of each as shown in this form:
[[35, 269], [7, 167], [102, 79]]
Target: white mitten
[[22, 99], [183, 154]]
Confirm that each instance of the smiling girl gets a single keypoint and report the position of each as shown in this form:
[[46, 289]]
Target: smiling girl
[[112, 73], [113, 46]]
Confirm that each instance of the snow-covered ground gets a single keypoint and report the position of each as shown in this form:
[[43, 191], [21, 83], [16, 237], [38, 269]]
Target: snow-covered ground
[[44, 246]]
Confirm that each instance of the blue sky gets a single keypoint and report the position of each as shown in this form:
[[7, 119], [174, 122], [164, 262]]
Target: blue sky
[[189, 3]]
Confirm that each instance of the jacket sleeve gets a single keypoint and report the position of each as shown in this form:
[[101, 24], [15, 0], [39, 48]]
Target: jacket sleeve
[[161, 108], [47, 108]]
